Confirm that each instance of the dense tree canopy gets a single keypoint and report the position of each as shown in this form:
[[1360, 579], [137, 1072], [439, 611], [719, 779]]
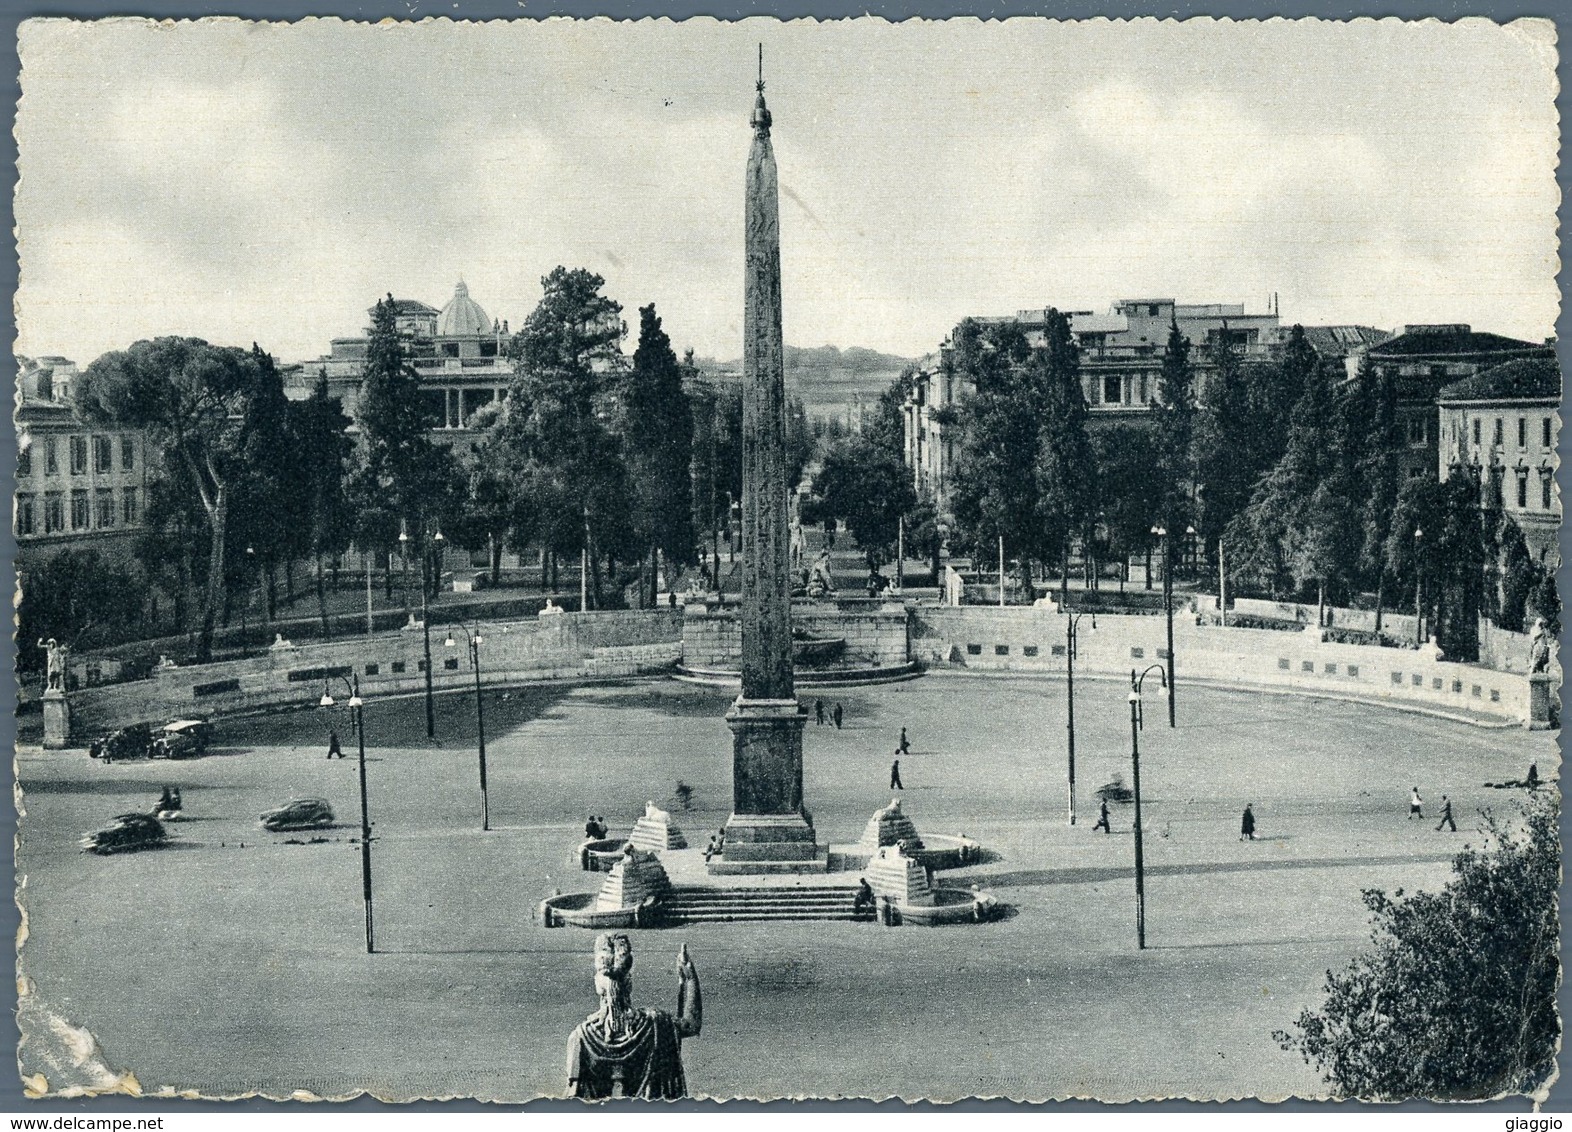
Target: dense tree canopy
[[215, 410], [863, 484]]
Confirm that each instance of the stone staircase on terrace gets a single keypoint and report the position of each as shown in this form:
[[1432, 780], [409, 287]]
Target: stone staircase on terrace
[[695, 904]]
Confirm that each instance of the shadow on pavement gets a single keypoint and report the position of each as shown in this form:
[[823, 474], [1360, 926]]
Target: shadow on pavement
[[1027, 878]]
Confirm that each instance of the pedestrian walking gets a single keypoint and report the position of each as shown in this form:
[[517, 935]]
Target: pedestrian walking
[[895, 774], [836, 715], [1414, 805], [905, 746], [334, 750], [1446, 815], [1247, 825], [1102, 820], [818, 712]]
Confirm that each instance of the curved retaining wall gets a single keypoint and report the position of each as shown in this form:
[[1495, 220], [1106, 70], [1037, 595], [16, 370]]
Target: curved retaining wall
[[563, 646], [576, 646], [1032, 639]]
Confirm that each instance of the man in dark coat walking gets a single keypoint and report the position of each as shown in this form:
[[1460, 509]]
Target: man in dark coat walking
[[334, 750], [1446, 815], [905, 746], [1247, 825], [895, 774], [1102, 820]]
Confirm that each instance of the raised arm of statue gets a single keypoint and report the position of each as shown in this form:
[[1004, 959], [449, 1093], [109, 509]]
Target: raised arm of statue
[[690, 1002]]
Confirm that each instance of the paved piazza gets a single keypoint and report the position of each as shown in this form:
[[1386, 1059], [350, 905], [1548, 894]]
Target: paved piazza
[[234, 962]]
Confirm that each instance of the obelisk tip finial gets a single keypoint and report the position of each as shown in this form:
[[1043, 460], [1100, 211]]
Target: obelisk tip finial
[[761, 114]]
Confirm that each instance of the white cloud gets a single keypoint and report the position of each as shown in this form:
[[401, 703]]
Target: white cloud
[[246, 181]]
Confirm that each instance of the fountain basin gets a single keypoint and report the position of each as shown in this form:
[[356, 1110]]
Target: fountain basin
[[599, 856], [578, 910], [950, 906]]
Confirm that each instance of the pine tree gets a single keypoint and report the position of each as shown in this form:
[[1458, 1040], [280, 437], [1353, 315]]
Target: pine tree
[[555, 428], [658, 427], [995, 493], [1174, 419], [1225, 446], [321, 450], [1065, 467], [1379, 473]]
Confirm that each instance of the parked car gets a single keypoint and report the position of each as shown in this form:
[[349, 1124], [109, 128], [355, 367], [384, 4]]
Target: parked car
[[306, 813], [134, 742], [182, 739], [125, 833]]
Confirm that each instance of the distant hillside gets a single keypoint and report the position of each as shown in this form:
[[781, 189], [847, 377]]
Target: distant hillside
[[827, 378]]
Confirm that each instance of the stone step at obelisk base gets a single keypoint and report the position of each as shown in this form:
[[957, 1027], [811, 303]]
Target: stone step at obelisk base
[[891, 873], [691, 904], [654, 831], [638, 877]]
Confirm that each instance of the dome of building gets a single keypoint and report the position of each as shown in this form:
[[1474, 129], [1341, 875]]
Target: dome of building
[[462, 315]]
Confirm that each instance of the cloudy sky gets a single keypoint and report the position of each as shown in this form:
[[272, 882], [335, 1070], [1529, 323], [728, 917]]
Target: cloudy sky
[[244, 182]]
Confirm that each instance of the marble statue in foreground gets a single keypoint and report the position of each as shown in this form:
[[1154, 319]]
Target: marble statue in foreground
[[620, 1050]]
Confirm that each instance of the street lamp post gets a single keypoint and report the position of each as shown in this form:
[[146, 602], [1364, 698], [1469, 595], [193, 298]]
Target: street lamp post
[[357, 705], [425, 628], [1071, 640], [1419, 590], [1136, 721], [1168, 609], [425, 621], [475, 641]]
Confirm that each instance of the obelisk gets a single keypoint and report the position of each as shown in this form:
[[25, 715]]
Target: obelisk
[[768, 830]]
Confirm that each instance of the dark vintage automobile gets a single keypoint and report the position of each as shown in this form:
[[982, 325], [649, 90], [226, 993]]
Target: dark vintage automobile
[[305, 813], [182, 739], [134, 742], [126, 833]]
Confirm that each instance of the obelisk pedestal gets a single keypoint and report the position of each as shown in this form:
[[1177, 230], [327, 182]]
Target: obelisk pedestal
[[768, 830]]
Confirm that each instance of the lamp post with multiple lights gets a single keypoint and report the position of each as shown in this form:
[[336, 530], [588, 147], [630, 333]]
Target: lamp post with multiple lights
[[357, 706], [425, 619], [475, 640], [1168, 609]]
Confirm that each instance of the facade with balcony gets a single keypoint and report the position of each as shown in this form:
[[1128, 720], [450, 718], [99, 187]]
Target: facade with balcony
[[1501, 427], [78, 487]]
